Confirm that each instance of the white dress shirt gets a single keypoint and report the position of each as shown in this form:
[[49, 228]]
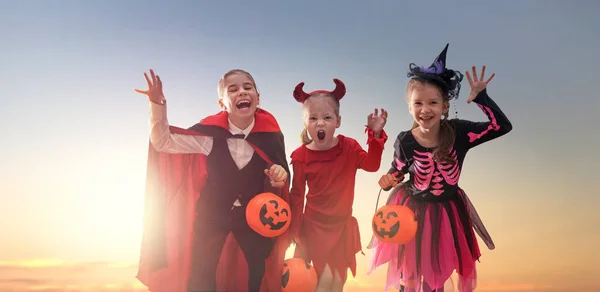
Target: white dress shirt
[[164, 141]]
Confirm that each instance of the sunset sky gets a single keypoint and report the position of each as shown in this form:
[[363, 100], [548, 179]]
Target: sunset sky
[[75, 134]]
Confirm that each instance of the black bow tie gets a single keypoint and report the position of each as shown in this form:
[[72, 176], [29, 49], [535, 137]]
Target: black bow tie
[[239, 136]]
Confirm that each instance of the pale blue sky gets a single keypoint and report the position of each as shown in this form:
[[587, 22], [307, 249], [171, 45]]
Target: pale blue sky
[[73, 130]]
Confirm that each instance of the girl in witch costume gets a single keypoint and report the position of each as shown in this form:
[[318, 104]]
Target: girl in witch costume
[[326, 231], [432, 153], [194, 217]]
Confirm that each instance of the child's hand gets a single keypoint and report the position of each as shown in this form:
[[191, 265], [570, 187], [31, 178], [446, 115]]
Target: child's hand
[[388, 181], [376, 122], [277, 174], [154, 92], [477, 84]]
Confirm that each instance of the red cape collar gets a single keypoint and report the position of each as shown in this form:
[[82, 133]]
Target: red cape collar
[[264, 121]]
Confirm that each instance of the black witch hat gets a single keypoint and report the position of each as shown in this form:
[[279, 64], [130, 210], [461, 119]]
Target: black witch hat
[[447, 79]]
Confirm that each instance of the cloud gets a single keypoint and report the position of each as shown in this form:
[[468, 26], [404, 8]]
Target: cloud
[[506, 285], [49, 275], [521, 287], [32, 263], [22, 281]]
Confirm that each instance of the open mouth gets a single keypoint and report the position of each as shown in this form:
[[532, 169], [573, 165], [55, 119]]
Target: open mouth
[[321, 135], [427, 118], [242, 104]]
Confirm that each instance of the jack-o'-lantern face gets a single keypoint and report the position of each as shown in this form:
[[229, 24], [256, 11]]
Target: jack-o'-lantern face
[[285, 279], [386, 224], [268, 215], [394, 224], [272, 216], [298, 275]]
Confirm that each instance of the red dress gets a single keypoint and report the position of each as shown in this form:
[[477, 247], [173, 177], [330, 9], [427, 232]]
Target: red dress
[[327, 232]]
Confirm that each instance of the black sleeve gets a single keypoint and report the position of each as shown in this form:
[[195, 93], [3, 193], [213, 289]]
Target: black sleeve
[[400, 164], [471, 133]]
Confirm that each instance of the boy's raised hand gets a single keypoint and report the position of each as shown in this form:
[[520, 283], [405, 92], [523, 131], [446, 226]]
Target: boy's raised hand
[[154, 92]]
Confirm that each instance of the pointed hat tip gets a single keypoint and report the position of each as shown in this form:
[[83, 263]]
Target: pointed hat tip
[[442, 56]]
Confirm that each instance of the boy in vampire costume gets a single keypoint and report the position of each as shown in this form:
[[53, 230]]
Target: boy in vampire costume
[[198, 184]]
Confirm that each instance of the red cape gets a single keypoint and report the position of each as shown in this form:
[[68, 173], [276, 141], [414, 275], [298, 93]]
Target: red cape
[[173, 185]]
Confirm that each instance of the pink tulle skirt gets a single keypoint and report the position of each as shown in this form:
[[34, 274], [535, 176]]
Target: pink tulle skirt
[[445, 242]]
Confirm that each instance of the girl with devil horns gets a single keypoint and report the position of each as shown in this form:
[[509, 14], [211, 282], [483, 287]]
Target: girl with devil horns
[[326, 231], [432, 153]]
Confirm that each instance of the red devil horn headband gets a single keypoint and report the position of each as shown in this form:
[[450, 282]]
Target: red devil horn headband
[[338, 92]]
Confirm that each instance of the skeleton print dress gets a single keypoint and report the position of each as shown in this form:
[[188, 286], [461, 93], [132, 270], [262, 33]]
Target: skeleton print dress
[[447, 221]]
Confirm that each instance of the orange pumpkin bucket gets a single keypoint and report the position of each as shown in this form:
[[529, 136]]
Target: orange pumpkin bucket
[[298, 276], [268, 214], [394, 224]]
